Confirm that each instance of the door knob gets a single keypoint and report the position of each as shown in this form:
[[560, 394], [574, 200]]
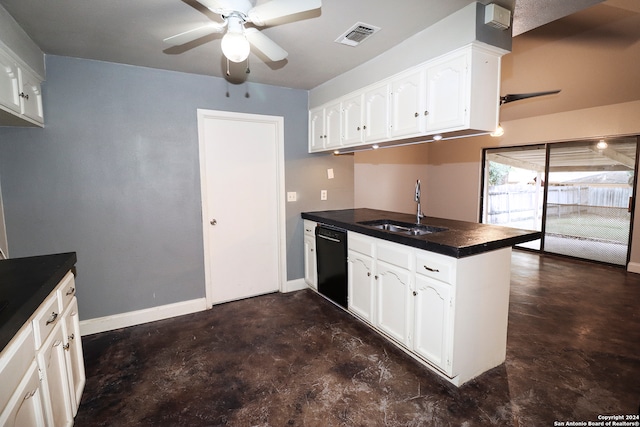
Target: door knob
[[213, 222]]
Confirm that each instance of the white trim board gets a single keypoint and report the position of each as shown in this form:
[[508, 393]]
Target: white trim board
[[633, 267], [139, 317]]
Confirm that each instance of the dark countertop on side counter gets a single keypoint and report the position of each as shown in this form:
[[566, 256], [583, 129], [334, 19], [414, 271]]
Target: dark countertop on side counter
[[24, 284], [461, 239]]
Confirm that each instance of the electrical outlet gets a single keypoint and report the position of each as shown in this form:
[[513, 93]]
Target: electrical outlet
[[292, 196], [323, 194]]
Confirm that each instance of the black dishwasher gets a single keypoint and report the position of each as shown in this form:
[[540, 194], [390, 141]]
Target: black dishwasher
[[331, 253]]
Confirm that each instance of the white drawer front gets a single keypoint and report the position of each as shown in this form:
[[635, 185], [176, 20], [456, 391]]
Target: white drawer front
[[359, 243], [435, 266], [45, 319], [395, 254], [66, 290]]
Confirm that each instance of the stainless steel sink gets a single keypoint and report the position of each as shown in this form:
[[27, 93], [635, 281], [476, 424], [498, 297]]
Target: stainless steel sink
[[402, 227]]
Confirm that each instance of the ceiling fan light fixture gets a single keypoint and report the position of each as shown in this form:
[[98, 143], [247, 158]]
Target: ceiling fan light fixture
[[235, 46], [602, 144]]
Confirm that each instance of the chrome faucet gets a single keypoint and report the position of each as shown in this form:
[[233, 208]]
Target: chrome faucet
[[419, 214]]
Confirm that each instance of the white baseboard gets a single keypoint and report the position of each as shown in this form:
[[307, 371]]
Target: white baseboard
[[295, 285], [633, 267], [132, 318]]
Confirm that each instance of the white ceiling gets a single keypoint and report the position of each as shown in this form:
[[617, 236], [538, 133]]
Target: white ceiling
[[131, 32]]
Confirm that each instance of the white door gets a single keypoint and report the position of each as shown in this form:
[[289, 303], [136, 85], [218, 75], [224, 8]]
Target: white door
[[241, 164]]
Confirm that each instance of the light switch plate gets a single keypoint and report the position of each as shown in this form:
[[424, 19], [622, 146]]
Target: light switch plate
[[330, 173], [292, 196], [323, 194]]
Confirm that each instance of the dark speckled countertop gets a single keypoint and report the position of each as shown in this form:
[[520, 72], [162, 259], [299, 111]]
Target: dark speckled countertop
[[24, 284], [461, 239]]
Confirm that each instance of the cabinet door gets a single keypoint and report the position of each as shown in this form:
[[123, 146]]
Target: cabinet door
[[332, 126], [316, 130], [52, 363], [73, 354], [447, 94], [9, 87], [310, 269], [361, 282], [25, 406], [376, 113], [393, 309], [407, 105], [31, 96], [432, 328], [352, 131]]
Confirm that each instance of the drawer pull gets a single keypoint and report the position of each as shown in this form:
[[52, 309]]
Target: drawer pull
[[66, 346], [434, 270], [52, 319], [71, 291]]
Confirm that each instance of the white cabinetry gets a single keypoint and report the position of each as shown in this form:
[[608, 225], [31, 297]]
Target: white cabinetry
[[394, 285], [361, 276], [20, 93], [41, 369], [310, 261], [448, 313], [453, 95]]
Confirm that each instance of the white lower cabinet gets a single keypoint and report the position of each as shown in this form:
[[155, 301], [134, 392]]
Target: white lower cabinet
[[310, 260], [25, 406], [42, 368], [432, 322], [450, 314], [393, 287], [52, 363]]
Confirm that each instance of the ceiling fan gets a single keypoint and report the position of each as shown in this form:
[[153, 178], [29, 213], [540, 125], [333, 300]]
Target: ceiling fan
[[518, 96], [235, 14]]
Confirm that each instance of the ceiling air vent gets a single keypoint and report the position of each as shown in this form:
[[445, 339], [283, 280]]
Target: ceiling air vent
[[357, 34]]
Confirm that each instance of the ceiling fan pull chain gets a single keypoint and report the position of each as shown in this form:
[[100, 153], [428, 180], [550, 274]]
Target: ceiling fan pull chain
[[247, 70], [228, 73]]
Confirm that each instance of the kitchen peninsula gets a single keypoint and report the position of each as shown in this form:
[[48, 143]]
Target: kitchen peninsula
[[438, 290], [41, 364]]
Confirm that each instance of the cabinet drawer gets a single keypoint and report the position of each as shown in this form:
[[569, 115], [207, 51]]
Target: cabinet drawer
[[66, 290], [14, 362], [397, 255], [359, 243], [45, 319], [435, 266]]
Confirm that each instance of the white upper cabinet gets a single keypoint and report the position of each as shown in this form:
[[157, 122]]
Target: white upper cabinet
[[352, 115], [376, 113], [9, 93], [450, 96], [20, 93], [408, 104], [447, 94], [30, 97]]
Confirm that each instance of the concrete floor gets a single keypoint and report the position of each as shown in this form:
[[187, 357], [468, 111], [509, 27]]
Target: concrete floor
[[573, 354]]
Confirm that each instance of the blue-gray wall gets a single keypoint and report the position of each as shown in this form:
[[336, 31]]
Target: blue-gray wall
[[114, 176]]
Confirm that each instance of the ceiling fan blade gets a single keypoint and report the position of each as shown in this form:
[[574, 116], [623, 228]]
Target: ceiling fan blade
[[196, 33], [265, 45], [518, 96], [274, 9], [212, 5]]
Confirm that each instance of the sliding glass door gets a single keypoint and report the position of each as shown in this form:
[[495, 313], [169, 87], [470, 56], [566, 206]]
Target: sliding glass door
[[579, 194]]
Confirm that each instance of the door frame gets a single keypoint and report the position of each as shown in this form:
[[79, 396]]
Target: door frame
[[203, 115]]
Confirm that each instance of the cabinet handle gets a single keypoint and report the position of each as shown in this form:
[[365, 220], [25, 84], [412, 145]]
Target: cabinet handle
[[24, 95], [416, 114], [358, 128], [368, 274], [364, 127], [52, 319], [72, 336], [415, 293], [426, 113], [375, 277], [66, 346], [435, 270], [71, 291]]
